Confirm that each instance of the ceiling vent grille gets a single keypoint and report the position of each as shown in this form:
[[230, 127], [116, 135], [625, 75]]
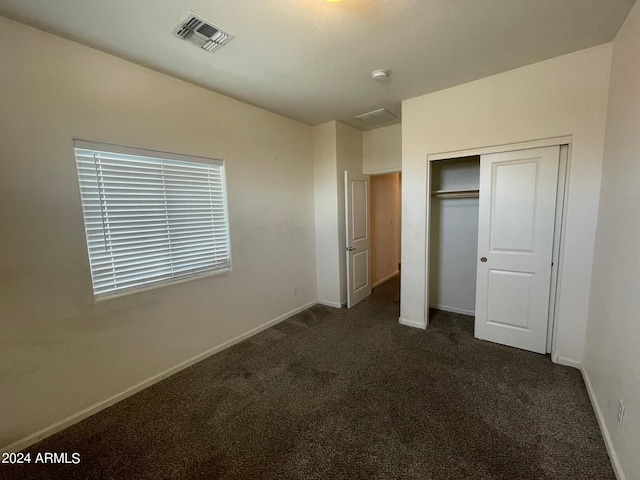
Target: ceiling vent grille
[[375, 117], [201, 32]]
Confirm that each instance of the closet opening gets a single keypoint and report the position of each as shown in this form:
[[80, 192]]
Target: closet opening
[[494, 234], [455, 185]]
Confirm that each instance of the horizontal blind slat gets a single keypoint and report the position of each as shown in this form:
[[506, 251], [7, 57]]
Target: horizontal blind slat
[[97, 243], [136, 273], [124, 262]]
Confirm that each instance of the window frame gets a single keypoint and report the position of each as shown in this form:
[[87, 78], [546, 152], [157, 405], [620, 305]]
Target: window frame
[[108, 148]]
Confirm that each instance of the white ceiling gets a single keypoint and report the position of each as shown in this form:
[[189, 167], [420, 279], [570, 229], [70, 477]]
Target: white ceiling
[[311, 60]]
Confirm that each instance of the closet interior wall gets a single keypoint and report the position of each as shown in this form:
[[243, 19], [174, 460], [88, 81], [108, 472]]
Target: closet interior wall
[[454, 234]]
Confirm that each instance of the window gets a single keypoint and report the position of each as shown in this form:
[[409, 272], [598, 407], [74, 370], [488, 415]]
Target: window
[[151, 217]]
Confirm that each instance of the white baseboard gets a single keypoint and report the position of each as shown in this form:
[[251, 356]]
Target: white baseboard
[[388, 277], [615, 463], [461, 311], [412, 323], [567, 362], [326, 303], [87, 412]]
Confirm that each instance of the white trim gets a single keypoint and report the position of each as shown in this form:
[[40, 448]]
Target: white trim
[[561, 200], [427, 244], [412, 323], [383, 171], [567, 362], [327, 303], [388, 277], [563, 229], [93, 409], [613, 457], [509, 147], [461, 311]]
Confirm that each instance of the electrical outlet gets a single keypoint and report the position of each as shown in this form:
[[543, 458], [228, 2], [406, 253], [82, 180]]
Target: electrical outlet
[[620, 412], [294, 291]]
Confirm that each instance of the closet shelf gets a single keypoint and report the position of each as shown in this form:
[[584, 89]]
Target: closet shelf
[[464, 193]]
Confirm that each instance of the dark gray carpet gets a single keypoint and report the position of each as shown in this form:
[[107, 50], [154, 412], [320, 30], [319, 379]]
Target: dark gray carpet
[[332, 394]]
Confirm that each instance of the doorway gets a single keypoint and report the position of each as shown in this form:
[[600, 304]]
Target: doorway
[[494, 232], [386, 219]]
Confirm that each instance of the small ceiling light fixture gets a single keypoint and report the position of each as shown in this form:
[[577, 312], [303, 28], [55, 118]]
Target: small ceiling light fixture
[[379, 75]]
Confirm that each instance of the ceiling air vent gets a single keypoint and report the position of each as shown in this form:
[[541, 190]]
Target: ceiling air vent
[[375, 117], [202, 32]]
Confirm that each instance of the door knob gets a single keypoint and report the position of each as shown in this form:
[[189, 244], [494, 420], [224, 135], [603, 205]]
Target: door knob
[[483, 259], [351, 249]]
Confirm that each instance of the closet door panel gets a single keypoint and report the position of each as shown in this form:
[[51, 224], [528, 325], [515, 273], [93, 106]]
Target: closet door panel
[[515, 246]]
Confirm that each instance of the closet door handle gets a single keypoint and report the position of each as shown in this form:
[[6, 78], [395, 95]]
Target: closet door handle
[[483, 259]]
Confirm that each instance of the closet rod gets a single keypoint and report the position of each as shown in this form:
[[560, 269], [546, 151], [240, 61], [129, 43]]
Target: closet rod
[[456, 193]]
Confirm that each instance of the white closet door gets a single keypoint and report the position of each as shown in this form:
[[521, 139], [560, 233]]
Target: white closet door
[[515, 246]]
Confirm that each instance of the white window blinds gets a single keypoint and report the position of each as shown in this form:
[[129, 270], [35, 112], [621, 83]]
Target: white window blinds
[[151, 217]]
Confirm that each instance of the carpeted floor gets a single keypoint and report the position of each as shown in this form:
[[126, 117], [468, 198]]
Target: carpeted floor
[[346, 394]]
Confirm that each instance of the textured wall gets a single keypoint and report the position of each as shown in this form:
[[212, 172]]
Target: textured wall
[[612, 350], [349, 158], [382, 150]]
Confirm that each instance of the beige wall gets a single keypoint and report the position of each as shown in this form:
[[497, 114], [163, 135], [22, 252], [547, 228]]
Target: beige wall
[[326, 214], [382, 150], [562, 96], [336, 148], [385, 226], [612, 350], [61, 352], [349, 155]]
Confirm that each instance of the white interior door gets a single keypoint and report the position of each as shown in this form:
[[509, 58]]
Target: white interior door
[[357, 229], [515, 246]]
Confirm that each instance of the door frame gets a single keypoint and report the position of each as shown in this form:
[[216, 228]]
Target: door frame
[[561, 210], [348, 218], [389, 172]]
